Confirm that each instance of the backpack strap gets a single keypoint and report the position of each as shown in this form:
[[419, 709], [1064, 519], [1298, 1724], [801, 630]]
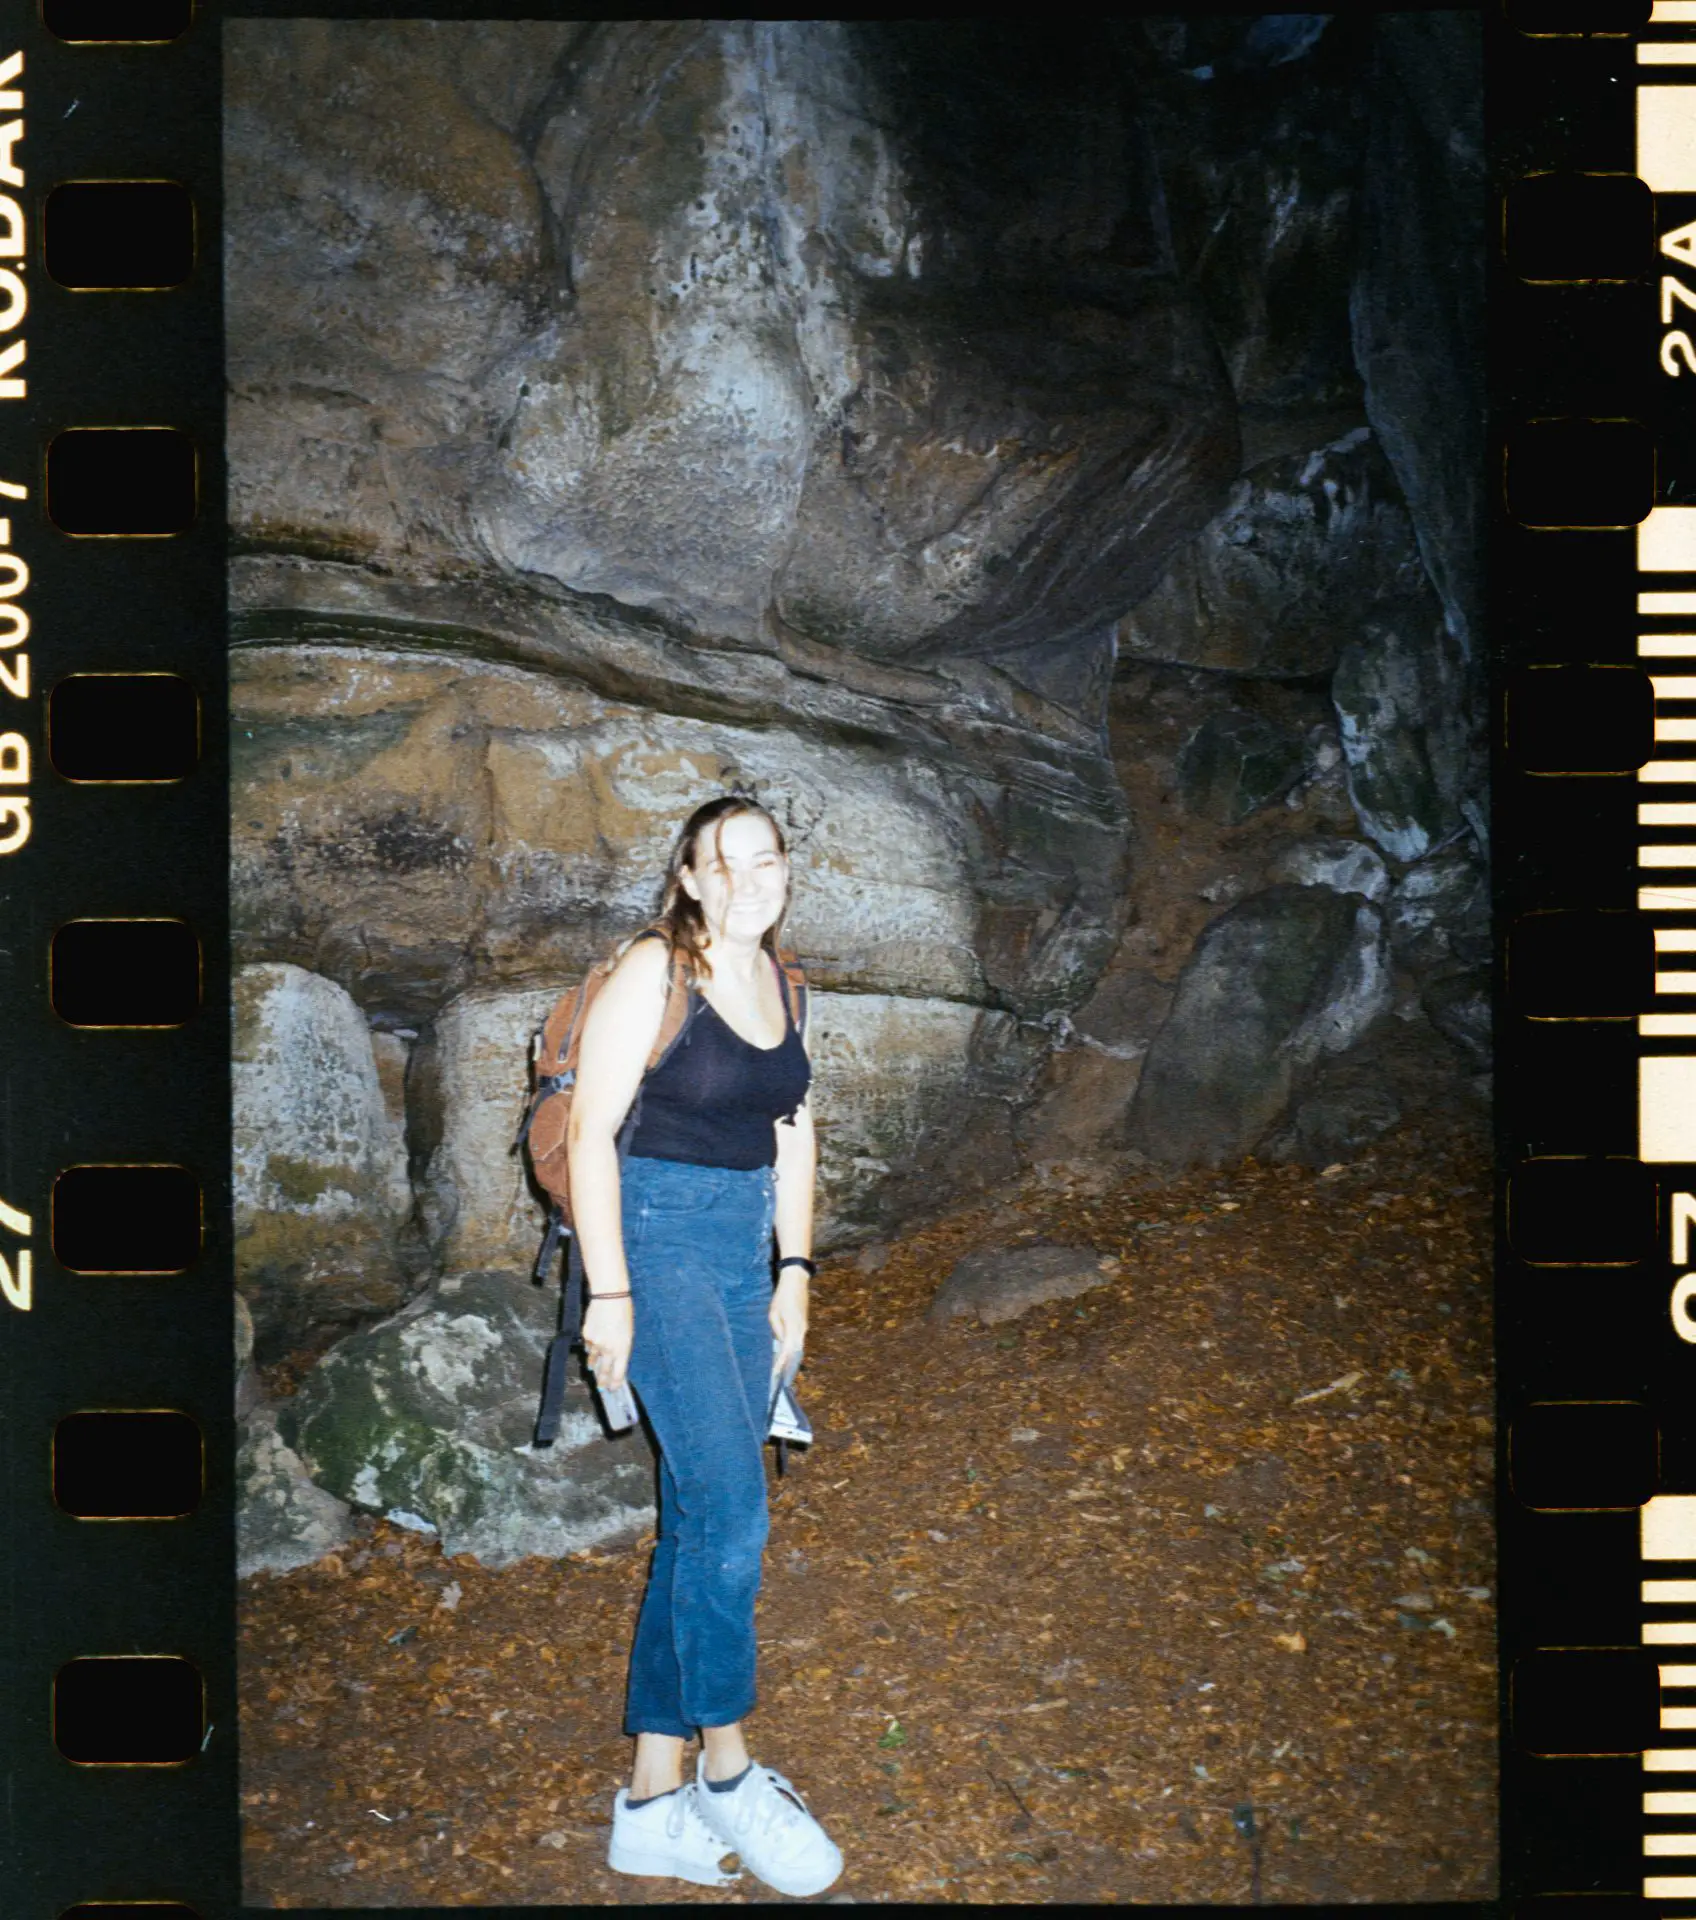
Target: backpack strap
[[794, 988]]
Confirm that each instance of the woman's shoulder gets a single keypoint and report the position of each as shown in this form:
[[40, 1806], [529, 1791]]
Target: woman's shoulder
[[645, 956]]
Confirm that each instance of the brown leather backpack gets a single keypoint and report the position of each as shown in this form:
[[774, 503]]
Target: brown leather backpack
[[547, 1126]]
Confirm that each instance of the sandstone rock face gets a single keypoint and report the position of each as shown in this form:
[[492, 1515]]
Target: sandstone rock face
[[731, 322], [891, 1074], [625, 411], [1279, 581], [497, 825], [321, 1189], [1285, 975], [1259, 127], [1001, 1285], [1002, 455], [428, 1417], [898, 1083], [477, 1204], [1416, 302], [1411, 729], [282, 1519]]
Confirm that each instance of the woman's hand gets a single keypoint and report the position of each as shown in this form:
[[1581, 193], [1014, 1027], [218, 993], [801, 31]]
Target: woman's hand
[[788, 1313], [608, 1326]]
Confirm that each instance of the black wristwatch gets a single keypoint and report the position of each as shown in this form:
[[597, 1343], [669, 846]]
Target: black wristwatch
[[796, 1260]]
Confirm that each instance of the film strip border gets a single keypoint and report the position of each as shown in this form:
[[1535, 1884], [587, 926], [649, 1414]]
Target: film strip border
[[115, 1143], [1594, 623], [115, 1264]]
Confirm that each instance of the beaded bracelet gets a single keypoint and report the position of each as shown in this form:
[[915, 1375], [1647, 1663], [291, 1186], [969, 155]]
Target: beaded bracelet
[[608, 1296]]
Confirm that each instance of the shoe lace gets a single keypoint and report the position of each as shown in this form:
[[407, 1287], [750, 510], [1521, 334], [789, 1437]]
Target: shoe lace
[[684, 1817], [781, 1806]]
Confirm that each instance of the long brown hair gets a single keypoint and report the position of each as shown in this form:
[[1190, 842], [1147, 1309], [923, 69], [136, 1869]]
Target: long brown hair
[[680, 915]]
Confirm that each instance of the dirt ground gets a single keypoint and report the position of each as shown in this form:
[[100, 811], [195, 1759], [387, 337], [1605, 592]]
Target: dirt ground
[[1180, 1590]]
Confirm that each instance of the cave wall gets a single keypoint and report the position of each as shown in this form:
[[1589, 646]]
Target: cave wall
[[1016, 457]]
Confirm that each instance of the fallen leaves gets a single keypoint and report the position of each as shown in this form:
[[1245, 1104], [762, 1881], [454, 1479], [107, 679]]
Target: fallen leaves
[[1143, 1481], [1344, 1383]]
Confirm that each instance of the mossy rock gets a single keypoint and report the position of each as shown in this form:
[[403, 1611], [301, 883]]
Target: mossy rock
[[428, 1417]]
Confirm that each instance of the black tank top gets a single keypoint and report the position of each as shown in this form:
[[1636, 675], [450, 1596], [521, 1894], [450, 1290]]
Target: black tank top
[[715, 1100]]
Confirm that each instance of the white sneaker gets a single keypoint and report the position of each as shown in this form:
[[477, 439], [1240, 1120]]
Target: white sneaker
[[667, 1838], [768, 1824]]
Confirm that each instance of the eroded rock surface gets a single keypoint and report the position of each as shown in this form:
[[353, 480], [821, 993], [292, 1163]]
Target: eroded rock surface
[[1278, 582], [1235, 763], [321, 1190], [1278, 979], [1409, 717], [752, 325], [411, 824], [283, 1520], [1417, 301], [1346, 866], [1040, 467], [428, 1418]]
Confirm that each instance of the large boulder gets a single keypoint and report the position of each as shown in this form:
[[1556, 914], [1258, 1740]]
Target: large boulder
[[1440, 912], [1274, 982], [1279, 581], [912, 1099], [283, 1520], [1346, 866], [1410, 720], [753, 327], [471, 1091], [321, 1190], [428, 1418]]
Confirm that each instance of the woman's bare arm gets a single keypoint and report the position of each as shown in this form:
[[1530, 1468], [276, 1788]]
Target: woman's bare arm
[[618, 1035], [797, 1169]]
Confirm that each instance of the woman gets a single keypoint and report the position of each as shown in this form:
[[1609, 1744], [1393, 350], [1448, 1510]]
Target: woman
[[677, 1256]]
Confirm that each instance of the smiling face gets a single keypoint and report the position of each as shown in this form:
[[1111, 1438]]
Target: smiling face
[[740, 877]]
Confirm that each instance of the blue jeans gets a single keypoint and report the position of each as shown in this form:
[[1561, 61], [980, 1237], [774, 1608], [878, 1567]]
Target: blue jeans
[[698, 1244]]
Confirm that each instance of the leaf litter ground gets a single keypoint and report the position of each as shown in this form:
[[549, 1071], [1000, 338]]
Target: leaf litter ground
[[1181, 1590]]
